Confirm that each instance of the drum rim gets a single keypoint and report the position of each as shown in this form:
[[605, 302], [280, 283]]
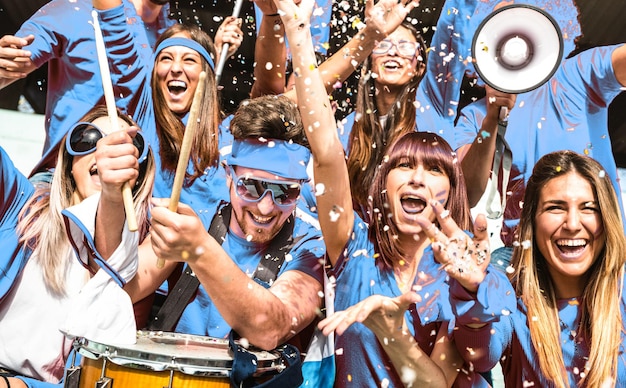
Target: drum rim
[[137, 357]]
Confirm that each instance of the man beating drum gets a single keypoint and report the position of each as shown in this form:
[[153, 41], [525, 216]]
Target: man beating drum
[[259, 267]]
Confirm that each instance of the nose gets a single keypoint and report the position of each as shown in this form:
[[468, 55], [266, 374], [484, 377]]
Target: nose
[[393, 50], [416, 177], [266, 203], [572, 220], [176, 66]]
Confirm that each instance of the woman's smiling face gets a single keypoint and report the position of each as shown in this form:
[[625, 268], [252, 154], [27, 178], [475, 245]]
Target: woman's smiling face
[[178, 70], [568, 226], [392, 68]]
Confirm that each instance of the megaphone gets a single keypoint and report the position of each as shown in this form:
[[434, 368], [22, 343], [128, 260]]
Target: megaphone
[[517, 48]]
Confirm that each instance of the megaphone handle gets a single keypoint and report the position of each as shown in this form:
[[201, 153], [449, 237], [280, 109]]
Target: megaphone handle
[[504, 115]]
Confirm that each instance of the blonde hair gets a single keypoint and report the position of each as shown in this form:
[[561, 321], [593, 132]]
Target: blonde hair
[[601, 321], [41, 227]]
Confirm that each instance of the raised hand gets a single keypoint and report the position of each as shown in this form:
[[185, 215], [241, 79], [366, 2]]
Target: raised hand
[[464, 258], [117, 163], [229, 32], [15, 62], [386, 15]]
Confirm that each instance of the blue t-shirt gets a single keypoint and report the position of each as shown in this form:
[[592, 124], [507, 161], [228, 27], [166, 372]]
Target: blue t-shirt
[[506, 339], [361, 360], [16, 191], [201, 317], [65, 39], [569, 112]]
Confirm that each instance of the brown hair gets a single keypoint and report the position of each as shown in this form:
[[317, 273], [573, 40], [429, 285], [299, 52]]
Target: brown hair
[[170, 128], [368, 139], [418, 147]]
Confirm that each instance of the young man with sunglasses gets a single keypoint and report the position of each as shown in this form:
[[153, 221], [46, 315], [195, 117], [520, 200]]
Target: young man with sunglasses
[[262, 276]]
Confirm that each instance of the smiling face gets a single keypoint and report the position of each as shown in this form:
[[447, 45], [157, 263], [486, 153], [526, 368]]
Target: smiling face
[[178, 69], [84, 169], [569, 231], [260, 221], [392, 68], [410, 188]]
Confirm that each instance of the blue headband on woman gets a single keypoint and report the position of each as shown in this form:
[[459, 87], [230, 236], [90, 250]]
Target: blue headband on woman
[[189, 43]]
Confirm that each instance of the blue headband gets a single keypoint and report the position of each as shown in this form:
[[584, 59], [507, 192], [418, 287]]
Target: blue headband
[[189, 43], [279, 157]]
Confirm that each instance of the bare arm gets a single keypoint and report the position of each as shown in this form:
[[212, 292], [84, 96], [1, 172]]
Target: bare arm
[[266, 317], [477, 158], [317, 117], [381, 19], [385, 317], [270, 52]]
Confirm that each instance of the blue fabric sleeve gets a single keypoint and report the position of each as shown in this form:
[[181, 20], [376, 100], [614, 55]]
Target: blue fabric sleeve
[[495, 297]]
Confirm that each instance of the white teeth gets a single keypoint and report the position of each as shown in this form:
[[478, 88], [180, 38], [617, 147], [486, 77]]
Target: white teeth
[[572, 243], [261, 219], [177, 84]]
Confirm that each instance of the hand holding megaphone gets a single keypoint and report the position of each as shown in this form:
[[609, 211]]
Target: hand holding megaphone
[[499, 105]]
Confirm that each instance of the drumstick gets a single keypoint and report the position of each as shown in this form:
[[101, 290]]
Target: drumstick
[[185, 149], [224, 52], [127, 193]]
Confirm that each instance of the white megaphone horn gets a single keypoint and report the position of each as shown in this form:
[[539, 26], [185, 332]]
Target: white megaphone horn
[[517, 48]]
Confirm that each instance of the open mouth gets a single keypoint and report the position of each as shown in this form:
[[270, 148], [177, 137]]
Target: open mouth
[[261, 220], [571, 247], [391, 65], [93, 170], [176, 87], [412, 204]]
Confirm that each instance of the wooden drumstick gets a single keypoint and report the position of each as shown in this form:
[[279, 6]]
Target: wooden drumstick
[[127, 193], [185, 149]]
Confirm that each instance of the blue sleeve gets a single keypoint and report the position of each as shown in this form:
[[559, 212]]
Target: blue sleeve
[[15, 191], [51, 25], [308, 253], [590, 74], [447, 61], [130, 64], [493, 304]]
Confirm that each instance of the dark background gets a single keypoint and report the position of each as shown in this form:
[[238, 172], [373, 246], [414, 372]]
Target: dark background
[[602, 23]]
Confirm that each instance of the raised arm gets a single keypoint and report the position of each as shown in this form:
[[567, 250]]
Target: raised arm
[[270, 52], [381, 19], [334, 201], [477, 157]]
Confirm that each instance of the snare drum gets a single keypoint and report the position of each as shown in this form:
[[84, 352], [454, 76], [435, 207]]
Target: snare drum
[[161, 359]]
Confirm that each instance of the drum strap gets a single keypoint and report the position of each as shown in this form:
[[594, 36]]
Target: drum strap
[[265, 273]]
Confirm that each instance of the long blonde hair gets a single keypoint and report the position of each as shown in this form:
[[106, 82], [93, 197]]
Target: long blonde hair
[[601, 321], [41, 226]]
